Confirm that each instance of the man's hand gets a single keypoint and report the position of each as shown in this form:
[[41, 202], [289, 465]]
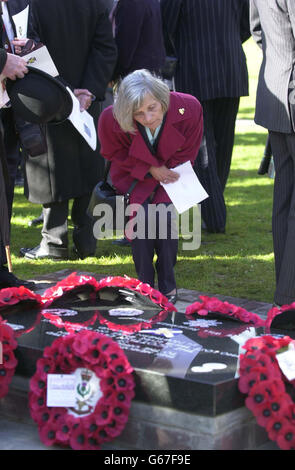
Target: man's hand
[[85, 98], [163, 174], [15, 67], [19, 44]]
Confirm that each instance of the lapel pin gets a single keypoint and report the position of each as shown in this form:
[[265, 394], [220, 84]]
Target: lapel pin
[[181, 110]]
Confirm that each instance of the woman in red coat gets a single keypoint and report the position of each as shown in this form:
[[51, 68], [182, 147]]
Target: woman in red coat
[[146, 134]]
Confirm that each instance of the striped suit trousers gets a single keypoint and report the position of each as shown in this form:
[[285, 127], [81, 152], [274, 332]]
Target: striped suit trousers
[[283, 217]]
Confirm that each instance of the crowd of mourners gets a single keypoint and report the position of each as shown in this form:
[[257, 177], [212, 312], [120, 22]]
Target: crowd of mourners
[[162, 80]]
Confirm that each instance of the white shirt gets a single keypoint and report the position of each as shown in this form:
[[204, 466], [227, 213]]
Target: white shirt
[[7, 23]]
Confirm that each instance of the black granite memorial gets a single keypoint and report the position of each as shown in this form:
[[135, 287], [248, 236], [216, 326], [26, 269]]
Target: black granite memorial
[[186, 363]]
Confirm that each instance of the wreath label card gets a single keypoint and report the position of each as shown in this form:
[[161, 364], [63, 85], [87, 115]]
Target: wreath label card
[[286, 361], [61, 390], [87, 392]]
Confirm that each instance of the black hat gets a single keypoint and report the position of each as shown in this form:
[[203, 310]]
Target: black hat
[[39, 97]]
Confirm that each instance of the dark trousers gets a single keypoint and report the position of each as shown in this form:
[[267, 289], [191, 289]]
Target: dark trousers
[[11, 160], [214, 159], [55, 227], [283, 217], [144, 249]]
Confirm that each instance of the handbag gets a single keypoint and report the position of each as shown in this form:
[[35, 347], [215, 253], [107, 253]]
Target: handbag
[[105, 193], [32, 137]]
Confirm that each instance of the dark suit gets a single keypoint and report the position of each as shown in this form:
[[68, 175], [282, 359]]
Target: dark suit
[[11, 140], [207, 37], [79, 39], [273, 28], [139, 37]]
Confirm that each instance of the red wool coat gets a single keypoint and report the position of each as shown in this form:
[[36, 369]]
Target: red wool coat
[[131, 158]]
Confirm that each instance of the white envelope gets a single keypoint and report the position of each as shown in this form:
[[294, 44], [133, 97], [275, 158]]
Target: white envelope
[[187, 191], [21, 23], [83, 122], [41, 59]]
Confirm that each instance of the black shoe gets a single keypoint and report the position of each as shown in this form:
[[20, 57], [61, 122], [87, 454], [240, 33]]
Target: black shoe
[[122, 242], [37, 221], [172, 298], [8, 279], [39, 253], [82, 255]]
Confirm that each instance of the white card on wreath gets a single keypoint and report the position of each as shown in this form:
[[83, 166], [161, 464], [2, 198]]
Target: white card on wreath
[[61, 390], [286, 361]]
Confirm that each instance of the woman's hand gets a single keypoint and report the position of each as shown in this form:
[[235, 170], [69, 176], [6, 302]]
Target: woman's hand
[[163, 174]]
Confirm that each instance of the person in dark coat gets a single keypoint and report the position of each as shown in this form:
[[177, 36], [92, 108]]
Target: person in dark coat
[[11, 67], [138, 35], [208, 37], [78, 36], [146, 134], [137, 29], [273, 28]]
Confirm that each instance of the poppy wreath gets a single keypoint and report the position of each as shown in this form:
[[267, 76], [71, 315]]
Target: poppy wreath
[[275, 311], [214, 305], [74, 282], [8, 362], [69, 284], [143, 289], [104, 390], [266, 386], [12, 296]]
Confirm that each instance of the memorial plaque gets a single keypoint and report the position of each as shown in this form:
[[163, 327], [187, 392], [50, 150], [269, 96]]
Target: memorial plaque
[[187, 363]]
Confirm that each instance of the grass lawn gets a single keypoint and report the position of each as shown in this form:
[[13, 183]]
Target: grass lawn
[[238, 263]]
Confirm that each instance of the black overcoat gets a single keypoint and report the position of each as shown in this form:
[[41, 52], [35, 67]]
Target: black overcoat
[[79, 38], [208, 38], [139, 36]]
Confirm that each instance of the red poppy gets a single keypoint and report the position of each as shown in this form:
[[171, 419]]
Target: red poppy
[[249, 380], [8, 360], [48, 434], [277, 426], [286, 439]]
